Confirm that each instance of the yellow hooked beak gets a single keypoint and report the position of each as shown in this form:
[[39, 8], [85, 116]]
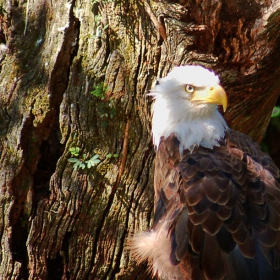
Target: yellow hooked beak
[[213, 95]]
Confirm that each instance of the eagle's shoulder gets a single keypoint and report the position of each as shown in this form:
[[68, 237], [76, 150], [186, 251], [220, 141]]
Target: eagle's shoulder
[[242, 142]]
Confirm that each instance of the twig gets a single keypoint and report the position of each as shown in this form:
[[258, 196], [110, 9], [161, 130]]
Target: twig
[[158, 25], [26, 17]]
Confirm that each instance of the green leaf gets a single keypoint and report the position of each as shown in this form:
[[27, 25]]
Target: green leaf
[[74, 151], [93, 161], [112, 155], [99, 91], [275, 112], [73, 160], [78, 165]]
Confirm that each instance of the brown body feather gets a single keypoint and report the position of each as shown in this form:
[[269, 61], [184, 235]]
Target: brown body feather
[[220, 208]]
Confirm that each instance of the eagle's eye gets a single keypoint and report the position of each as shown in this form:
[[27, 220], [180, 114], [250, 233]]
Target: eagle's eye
[[189, 88]]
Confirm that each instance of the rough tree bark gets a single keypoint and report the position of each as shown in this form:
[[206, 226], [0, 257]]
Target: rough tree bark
[[60, 223]]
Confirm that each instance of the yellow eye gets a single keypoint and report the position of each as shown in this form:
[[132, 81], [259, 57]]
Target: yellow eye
[[189, 88]]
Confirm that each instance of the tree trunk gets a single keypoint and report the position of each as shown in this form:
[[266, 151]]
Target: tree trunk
[[74, 78]]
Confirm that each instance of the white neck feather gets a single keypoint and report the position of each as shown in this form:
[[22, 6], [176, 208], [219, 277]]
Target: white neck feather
[[192, 130]]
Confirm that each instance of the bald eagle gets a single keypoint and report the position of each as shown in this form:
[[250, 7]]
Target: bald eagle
[[217, 198]]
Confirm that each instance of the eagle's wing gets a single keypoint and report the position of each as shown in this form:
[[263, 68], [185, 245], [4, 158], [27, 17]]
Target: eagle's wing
[[221, 208]]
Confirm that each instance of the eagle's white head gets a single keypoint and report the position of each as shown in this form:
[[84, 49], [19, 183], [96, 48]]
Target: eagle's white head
[[186, 105]]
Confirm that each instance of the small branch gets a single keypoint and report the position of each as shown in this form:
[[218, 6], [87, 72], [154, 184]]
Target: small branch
[[26, 17], [158, 25]]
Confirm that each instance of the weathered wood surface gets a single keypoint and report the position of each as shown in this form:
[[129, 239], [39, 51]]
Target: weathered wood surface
[[61, 223]]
